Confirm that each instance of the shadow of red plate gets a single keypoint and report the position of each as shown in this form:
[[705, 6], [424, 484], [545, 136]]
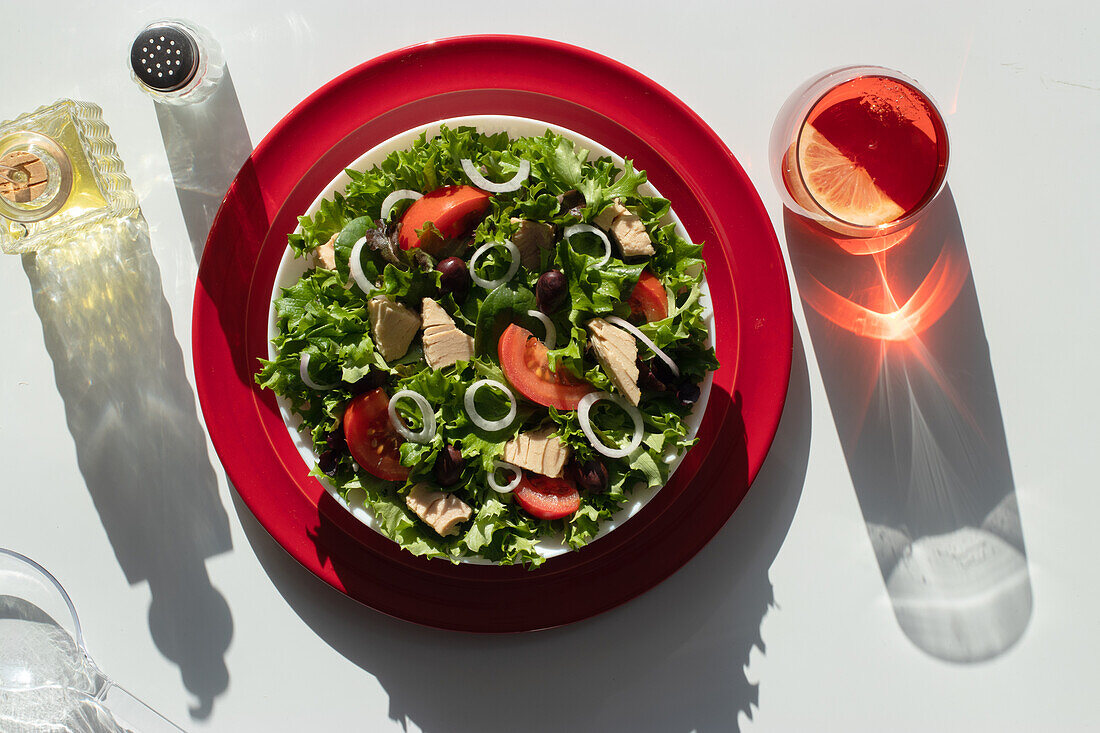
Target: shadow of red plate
[[556, 83]]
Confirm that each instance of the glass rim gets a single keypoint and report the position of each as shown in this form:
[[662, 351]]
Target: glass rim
[[19, 557], [843, 75]]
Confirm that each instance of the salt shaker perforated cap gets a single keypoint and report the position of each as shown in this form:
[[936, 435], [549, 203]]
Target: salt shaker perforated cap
[[164, 57]]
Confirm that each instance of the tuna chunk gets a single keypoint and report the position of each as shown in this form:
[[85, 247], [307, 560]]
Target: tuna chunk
[[539, 450], [531, 237], [444, 343], [607, 216], [393, 326], [627, 229], [432, 315], [617, 353], [326, 254], [441, 511]]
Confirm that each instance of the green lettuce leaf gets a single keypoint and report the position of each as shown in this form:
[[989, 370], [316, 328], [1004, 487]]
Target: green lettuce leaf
[[325, 316], [506, 304]]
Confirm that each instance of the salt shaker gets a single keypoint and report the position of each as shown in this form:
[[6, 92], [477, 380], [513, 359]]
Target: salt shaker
[[176, 62]]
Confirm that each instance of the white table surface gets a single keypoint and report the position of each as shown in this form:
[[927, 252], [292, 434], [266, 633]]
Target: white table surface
[[783, 622]]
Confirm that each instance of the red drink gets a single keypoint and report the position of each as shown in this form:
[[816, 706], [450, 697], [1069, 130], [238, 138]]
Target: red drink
[[865, 156]]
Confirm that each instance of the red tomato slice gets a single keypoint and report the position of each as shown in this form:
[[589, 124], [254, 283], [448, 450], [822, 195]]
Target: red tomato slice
[[648, 298], [452, 209], [544, 497], [527, 367], [373, 442]]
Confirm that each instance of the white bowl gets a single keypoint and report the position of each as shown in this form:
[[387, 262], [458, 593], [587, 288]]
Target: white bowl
[[291, 269]]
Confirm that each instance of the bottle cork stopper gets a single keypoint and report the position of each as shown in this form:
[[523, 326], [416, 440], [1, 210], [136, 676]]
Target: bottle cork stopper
[[23, 177]]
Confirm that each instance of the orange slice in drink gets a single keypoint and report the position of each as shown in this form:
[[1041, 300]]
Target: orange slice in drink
[[840, 186]]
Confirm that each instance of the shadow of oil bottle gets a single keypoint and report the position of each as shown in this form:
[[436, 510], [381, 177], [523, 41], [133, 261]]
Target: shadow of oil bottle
[[139, 444], [895, 324]]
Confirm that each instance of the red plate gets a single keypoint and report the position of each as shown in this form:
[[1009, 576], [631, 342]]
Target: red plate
[[593, 96]]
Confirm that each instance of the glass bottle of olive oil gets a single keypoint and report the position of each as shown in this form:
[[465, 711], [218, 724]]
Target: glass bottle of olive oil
[[59, 174]]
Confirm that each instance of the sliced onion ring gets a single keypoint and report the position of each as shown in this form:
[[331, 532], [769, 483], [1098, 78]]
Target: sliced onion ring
[[357, 267], [427, 432], [627, 325], [475, 416], [585, 406], [512, 269], [486, 185], [303, 372], [393, 198], [551, 332], [579, 228], [504, 489]]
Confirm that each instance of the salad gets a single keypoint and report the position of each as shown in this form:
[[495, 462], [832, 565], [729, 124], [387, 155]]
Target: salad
[[497, 340]]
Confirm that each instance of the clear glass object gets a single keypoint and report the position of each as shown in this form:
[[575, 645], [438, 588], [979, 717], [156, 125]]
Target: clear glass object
[[47, 680], [176, 62], [59, 174], [862, 150]]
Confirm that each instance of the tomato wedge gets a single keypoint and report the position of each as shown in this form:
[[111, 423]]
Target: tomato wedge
[[372, 440], [452, 209], [544, 497], [527, 367], [648, 299]]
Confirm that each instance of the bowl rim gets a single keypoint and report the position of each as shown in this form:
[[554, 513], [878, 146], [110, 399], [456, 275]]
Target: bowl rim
[[290, 266]]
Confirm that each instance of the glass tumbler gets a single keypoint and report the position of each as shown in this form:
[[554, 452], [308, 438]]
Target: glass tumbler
[[47, 680], [862, 150]]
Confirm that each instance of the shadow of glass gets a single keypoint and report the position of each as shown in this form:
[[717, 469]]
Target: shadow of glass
[[139, 444], [897, 331], [672, 659], [207, 143]]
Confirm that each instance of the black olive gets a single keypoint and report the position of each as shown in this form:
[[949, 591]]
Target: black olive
[[454, 278], [571, 199], [551, 291], [448, 466], [662, 371], [328, 461], [688, 394], [373, 379], [590, 475]]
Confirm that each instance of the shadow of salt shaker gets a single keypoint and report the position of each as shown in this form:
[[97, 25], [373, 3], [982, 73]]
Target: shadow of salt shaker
[[183, 69]]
